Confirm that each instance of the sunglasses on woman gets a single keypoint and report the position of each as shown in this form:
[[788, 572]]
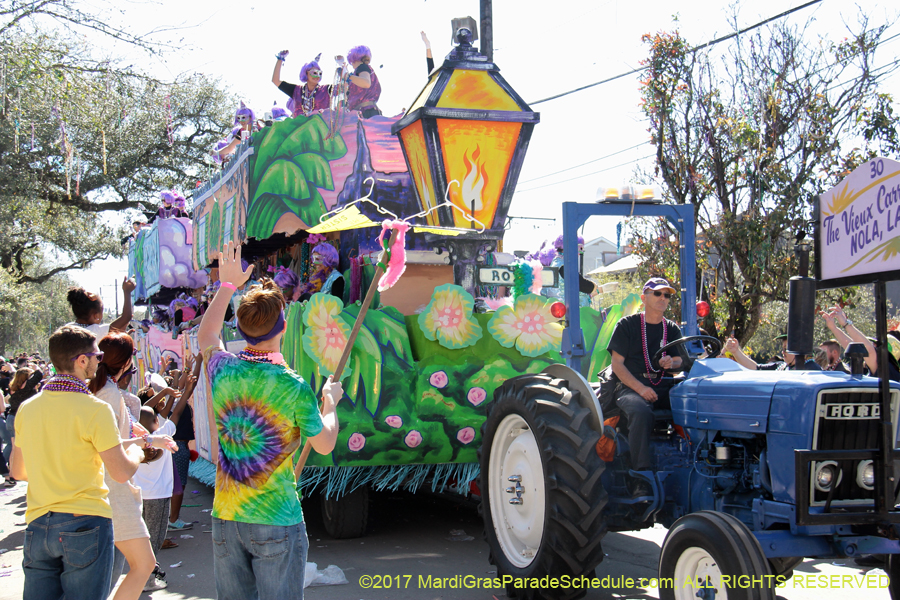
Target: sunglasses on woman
[[657, 293]]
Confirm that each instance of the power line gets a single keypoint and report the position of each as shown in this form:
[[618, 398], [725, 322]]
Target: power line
[[628, 162], [700, 47], [586, 163]]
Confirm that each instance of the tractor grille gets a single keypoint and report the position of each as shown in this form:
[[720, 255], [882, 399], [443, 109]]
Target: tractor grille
[[848, 419]]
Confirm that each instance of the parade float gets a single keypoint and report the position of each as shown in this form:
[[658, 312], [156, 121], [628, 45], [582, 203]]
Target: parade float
[[425, 363]]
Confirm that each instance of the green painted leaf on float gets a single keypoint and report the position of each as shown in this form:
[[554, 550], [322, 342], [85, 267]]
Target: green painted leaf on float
[[283, 178], [316, 169]]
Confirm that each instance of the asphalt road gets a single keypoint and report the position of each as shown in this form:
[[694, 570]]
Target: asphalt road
[[411, 538]]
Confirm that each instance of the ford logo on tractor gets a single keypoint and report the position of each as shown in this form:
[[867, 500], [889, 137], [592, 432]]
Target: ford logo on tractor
[[869, 410]]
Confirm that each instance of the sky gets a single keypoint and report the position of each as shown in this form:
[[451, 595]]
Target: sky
[[541, 48]]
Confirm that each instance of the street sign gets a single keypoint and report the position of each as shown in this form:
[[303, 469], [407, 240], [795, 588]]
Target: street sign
[[504, 276]]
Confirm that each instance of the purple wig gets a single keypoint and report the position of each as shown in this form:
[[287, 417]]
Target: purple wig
[[310, 65], [328, 253], [243, 110], [279, 114], [558, 244], [168, 196], [544, 255], [358, 53], [285, 278]]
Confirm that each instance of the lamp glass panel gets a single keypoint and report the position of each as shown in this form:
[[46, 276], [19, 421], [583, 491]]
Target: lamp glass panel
[[417, 154], [475, 89], [477, 154], [426, 91]]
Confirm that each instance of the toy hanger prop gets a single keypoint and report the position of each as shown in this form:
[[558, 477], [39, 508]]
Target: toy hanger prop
[[391, 265], [446, 230], [349, 216]]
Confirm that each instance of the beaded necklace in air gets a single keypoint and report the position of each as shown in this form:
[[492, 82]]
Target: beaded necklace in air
[[647, 352], [66, 383], [257, 356]]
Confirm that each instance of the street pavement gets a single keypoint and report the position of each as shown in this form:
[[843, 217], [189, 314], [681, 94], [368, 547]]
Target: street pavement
[[414, 544]]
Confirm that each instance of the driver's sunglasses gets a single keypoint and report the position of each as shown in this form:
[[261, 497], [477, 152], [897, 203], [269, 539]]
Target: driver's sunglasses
[[99, 355], [131, 371], [313, 73], [657, 293]]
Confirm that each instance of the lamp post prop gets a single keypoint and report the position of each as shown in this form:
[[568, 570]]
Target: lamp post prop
[[468, 125]]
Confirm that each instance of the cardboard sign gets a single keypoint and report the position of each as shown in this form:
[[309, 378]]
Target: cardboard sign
[[349, 218], [858, 238]]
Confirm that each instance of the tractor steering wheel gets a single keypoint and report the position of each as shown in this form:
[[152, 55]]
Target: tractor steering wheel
[[716, 344]]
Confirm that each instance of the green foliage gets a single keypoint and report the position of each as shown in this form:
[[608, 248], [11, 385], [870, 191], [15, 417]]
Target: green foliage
[[290, 163], [30, 312], [750, 139], [116, 123]]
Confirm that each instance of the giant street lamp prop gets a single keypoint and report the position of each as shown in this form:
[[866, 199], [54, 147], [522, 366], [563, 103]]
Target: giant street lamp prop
[[470, 127]]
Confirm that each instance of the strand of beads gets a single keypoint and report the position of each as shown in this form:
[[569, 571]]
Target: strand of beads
[[647, 352], [66, 383]]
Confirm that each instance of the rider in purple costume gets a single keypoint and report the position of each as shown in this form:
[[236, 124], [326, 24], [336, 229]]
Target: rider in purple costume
[[364, 89], [309, 97]]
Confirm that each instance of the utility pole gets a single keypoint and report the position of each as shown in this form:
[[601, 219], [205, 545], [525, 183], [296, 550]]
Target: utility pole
[[116, 287], [487, 30]]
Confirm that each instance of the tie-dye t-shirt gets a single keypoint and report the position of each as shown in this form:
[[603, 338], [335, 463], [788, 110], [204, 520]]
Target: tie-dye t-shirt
[[262, 411]]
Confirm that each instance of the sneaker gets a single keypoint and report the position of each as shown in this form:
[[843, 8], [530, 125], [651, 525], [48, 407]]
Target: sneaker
[[179, 525], [10, 482], [155, 583]]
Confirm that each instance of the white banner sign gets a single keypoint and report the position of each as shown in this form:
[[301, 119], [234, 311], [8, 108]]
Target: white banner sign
[[859, 222]]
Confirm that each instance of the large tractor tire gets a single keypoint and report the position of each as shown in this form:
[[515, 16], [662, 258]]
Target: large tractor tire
[[712, 555], [346, 517], [542, 499]]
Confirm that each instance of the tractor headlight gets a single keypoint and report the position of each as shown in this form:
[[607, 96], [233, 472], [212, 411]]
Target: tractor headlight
[[865, 475], [827, 475]]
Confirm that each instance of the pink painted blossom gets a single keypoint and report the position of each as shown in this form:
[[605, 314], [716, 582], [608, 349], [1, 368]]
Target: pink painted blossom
[[356, 442], [413, 438], [476, 395], [394, 421], [466, 435], [439, 379]]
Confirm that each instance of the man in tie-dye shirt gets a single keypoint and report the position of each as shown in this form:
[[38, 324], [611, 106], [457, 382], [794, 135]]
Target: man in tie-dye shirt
[[263, 411]]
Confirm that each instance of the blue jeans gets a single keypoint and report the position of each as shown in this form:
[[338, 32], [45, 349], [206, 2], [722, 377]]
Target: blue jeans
[[69, 556], [4, 444], [259, 562], [11, 431]]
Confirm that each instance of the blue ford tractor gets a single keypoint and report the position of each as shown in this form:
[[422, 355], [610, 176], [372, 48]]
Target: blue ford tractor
[[754, 470]]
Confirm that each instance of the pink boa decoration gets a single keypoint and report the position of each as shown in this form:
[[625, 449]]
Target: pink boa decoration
[[397, 265], [536, 284]]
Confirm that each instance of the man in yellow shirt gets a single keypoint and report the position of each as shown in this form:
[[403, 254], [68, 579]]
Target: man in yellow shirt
[[64, 438]]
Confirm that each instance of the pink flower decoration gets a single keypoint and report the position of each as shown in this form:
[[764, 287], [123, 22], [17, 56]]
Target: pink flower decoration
[[439, 379], [466, 435], [413, 438], [476, 396], [394, 421], [356, 442]]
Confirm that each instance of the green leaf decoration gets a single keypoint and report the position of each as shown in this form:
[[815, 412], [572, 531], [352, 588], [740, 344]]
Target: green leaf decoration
[[365, 362], [283, 178], [316, 169]]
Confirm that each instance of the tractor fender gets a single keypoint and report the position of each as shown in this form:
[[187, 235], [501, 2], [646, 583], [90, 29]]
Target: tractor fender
[[578, 382]]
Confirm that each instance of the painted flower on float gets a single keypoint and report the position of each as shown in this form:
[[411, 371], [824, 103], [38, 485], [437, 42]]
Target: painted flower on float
[[326, 333], [448, 318], [466, 435], [394, 421], [356, 442], [528, 326], [439, 379], [476, 395], [413, 438]]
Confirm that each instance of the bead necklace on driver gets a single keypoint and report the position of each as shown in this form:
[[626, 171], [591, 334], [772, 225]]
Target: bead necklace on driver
[[308, 99], [66, 383], [650, 369]]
